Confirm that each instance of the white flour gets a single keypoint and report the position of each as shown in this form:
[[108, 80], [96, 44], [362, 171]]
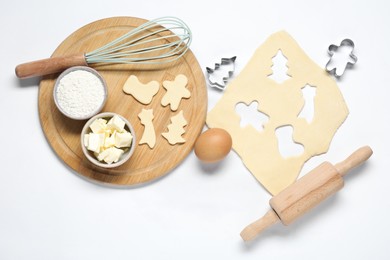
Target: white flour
[[80, 94]]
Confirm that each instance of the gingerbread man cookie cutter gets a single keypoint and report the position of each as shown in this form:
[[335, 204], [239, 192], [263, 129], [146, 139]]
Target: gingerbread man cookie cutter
[[332, 49]]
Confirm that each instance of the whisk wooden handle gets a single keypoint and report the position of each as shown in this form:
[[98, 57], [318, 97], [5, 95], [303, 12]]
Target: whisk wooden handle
[[49, 66]]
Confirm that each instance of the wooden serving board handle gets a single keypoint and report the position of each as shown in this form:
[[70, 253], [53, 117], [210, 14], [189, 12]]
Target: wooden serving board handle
[[49, 66]]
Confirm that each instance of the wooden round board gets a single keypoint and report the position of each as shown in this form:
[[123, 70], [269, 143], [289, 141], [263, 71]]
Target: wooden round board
[[146, 164]]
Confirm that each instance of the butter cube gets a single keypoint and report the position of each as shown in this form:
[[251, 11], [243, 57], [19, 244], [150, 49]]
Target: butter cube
[[110, 155], [108, 132], [86, 139], [94, 142], [114, 155], [116, 123], [110, 140], [123, 139], [98, 126], [102, 138], [103, 155]]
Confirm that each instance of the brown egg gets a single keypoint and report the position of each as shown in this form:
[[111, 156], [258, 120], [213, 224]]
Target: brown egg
[[213, 145]]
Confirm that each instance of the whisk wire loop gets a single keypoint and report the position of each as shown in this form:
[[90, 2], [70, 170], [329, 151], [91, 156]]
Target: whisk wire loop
[[153, 42]]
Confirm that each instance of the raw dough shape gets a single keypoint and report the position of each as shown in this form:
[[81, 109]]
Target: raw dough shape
[[149, 135], [176, 129], [142, 92], [282, 103], [176, 90]]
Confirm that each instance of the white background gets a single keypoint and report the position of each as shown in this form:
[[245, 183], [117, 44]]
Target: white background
[[195, 212]]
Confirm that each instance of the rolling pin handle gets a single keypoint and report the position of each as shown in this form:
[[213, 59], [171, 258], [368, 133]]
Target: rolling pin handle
[[355, 159], [255, 228]]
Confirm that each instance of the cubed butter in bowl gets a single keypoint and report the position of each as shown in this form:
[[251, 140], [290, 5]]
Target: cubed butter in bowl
[[108, 140]]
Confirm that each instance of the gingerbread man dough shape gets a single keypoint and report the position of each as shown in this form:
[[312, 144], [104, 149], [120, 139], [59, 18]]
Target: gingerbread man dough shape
[[176, 90], [142, 92], [149, 135], [176, 129]]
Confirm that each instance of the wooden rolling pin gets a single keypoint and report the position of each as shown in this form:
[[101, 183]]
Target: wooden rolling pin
[[306, 193]]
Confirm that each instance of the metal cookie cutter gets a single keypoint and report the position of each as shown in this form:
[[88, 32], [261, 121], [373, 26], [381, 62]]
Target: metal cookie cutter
[[210, 71], [332, 49]]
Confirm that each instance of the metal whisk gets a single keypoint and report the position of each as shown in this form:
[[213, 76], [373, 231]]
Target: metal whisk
[[162, 40]]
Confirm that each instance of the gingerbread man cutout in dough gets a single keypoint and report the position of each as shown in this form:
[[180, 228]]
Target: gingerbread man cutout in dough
[[142, 92], [176, 90]]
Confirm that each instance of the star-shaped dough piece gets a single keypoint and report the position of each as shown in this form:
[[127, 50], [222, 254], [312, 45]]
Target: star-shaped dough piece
[[149, 135]]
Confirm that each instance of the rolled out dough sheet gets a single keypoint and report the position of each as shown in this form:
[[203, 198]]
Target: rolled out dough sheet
[[282, 102]]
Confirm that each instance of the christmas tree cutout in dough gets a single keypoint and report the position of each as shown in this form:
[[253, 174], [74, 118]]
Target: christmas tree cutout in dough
[[176, 90], [282, 102], [176, 129], [279, 68]]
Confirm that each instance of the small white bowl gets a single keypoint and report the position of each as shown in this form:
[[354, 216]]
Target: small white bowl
[[98, 107], [91, 157]]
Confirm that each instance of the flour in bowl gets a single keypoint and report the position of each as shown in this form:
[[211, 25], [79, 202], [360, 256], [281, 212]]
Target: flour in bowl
[[80, 94]]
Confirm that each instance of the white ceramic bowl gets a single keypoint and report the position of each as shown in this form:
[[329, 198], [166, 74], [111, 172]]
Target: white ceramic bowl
[[98, 108], [124, 157]]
